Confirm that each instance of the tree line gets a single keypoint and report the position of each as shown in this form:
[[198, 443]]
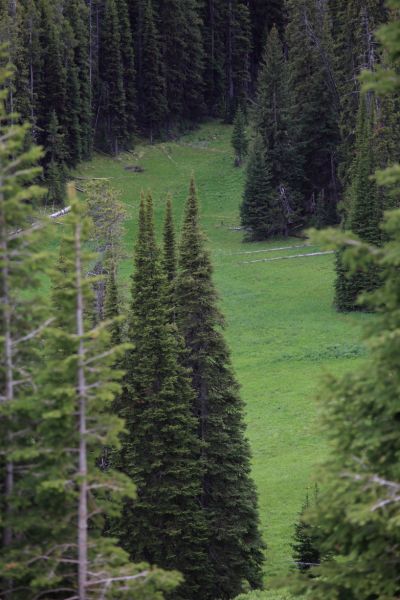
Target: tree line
[[95, 73], [317, 139]]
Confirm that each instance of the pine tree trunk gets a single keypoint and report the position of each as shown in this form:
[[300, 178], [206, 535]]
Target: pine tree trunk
[[83, 469]]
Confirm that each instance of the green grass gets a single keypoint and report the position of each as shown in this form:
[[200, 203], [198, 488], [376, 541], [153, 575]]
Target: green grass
[[281, 327]]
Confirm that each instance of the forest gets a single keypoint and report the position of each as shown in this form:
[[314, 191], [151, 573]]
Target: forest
[[199, 295]]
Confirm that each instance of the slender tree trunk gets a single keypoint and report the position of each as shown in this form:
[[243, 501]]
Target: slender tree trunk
[[83, 469]]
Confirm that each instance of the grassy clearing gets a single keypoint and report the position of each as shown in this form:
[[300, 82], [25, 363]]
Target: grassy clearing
[[281, 327]]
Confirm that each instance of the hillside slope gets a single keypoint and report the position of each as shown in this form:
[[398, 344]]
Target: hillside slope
[[281, 327]]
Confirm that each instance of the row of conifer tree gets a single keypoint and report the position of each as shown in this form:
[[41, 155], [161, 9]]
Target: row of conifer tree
[[316, 139], [93, 73], [125, 471]]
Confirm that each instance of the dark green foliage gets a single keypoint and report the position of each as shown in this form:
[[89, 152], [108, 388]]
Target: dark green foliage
[[270, 204], [357, 510], [262, 212], [112, 96], [128, 64], [181, 40], [214, 46], [354, 24], [56, 170], [273, 123], [239, 137], [314, 109], [228, 495], [77, 16], [112, 304], [238, 45], [169, 247], [160, 451], [72, 123], [51, 75], [23, 311], [364, 212], [306, 553], [264, 15], [153, 104], [227, 43]]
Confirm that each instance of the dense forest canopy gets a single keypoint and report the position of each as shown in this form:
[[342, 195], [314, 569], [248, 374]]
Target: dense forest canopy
[[125, 471]]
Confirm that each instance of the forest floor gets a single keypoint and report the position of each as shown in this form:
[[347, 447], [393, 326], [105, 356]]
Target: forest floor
[[282, 330]]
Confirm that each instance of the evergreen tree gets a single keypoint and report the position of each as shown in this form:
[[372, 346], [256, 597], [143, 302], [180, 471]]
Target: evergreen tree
[[128, 63], [227, 44], [72, 122], [305, 544], [152, 86], [55, 169], [358, 508], [112, 95], [79, 385], [183, 57], [356, 49], [264, 15], [364, 212], [272, 123], [228, 495], [261, 211], [160, 451], [112, 304], [51, 74], [314, 108], [169, 248], [237, 56], [214, 24], [77, 14], [239, 138], [23, 316]]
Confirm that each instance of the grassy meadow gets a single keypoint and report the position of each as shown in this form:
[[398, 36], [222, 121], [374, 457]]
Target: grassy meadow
[[281, 327]]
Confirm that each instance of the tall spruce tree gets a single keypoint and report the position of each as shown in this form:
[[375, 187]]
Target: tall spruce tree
[[169, 246], [79, 385], [261, 211], [314, 100], [264, 15], [153, 106], [55, 170], [305, 544], [23, 316], [354, 25], [237, 57], [364, 212], [128, 64], [112, 99], [160, 451], [183, 58], [73, 106], [77, 15], [272, 122], [214, 48], [229, 499]]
